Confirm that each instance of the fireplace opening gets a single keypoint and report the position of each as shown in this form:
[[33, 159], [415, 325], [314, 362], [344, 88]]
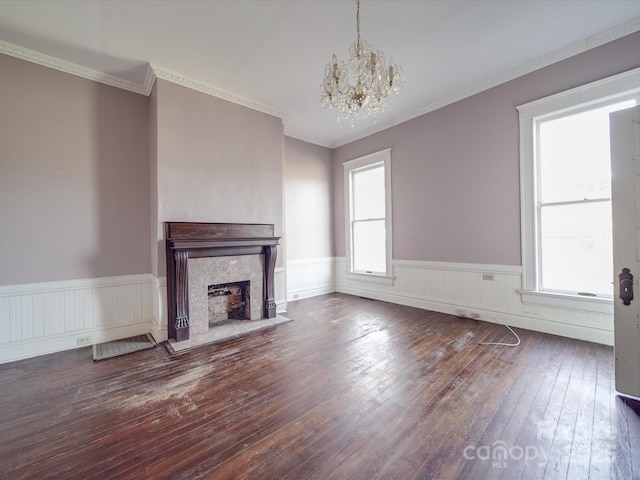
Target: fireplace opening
[[229, 301]]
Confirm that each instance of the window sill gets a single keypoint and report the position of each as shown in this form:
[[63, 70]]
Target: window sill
[[370, 277], [571, 302]]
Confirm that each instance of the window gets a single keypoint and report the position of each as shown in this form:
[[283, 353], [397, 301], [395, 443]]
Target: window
[[566, 194], [368, 216], [574, 202]]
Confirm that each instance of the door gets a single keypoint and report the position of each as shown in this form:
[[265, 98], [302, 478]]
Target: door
[[625, 199]]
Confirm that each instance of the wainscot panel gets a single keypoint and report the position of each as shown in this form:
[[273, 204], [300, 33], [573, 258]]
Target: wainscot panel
[[310, 277], [280, 289], [159, 309], [485, 292], [41, 318], [48, 317]]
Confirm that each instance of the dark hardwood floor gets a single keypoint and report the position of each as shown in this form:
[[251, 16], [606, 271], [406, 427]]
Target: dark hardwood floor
[[352, 389]]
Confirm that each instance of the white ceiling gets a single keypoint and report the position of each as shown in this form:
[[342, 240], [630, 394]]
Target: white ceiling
[[274, 52]]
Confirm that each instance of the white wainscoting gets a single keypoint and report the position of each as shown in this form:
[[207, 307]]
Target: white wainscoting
[[457, 289], [40, 318], [311, 277], [48, 317], [280, 288], [159, 309]]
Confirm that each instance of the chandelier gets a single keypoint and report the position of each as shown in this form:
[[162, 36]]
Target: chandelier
[[374, 81]]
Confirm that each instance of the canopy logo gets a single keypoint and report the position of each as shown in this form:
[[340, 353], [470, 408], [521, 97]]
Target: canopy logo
[[500, 455]]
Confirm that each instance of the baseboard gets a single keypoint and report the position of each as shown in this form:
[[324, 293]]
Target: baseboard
[[462, 289], [453, 288], [43, 346], [310, 277], [311, 292], [564, 329]]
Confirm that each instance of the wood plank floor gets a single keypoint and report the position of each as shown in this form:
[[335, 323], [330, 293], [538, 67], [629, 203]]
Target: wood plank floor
[[352, 389]]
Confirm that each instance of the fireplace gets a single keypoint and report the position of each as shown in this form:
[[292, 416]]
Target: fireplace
[[229, 301], [219, 255]]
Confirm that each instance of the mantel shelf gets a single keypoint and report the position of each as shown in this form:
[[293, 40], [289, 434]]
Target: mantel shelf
[[221, 243]]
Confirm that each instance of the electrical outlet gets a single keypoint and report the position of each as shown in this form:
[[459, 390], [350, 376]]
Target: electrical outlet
[[85, 340], [487, 276]]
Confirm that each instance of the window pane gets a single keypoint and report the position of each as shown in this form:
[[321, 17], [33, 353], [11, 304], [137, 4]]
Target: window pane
[[368, 193], [576, 248], [369, 239], [574, 155]]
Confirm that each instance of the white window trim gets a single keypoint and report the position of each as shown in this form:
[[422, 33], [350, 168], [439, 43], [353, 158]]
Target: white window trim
[[383, 156], [608, 89]]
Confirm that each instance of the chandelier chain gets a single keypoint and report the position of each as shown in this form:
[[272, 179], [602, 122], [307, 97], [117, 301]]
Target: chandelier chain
[[358, 20]]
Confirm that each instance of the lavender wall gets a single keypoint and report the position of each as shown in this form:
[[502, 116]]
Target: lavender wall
[[455, 171], [216, 162], [308, 172], [74, 177]]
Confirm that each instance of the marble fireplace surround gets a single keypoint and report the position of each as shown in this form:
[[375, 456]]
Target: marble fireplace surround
[[192, 240], [217, 270]]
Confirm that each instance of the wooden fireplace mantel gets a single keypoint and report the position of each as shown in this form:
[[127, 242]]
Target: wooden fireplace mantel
[[186, 240]]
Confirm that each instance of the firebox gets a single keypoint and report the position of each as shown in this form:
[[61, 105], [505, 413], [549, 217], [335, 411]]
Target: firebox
[[229, 301]]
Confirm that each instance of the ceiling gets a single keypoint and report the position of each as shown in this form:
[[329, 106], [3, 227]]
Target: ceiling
[[272, 53]]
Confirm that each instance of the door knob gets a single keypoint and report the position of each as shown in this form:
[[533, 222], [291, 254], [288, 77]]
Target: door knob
[[626, 286]]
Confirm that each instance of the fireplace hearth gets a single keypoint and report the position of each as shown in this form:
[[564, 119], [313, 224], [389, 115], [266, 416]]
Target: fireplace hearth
[[213, 254]]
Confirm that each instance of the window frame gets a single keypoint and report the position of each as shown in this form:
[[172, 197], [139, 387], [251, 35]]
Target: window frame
[[602, 92], [382, 157]]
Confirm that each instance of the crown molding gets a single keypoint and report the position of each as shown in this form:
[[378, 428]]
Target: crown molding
[[145, 88], [554, 57], [68, 67], [214, 91], [613, 34], [149, 80]]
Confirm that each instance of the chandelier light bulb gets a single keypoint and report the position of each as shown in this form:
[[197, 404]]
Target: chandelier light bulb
[[374, 81]]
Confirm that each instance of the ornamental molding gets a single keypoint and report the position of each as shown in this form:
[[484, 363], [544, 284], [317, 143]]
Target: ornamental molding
[[214, 91], [149, 80], [145, 88], [68, 67]]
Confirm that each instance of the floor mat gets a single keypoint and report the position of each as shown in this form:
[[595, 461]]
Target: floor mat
[[123, 346]]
